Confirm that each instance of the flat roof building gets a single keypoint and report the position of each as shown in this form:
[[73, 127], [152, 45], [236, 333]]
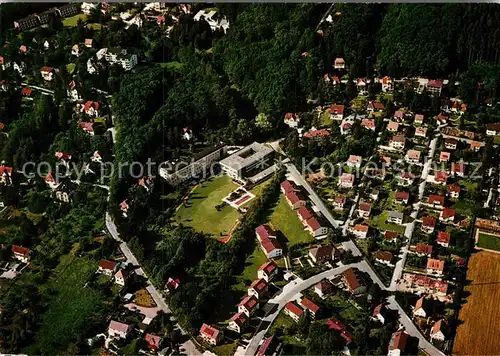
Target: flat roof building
[[249, 162]]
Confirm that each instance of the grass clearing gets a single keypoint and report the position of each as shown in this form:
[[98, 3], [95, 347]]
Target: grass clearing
[[286, 220], [70, 67], [73, 20], [71, 307], [380, 222], [199, 212], [174, 65], [489, 242], [480, 312], [252, 264]]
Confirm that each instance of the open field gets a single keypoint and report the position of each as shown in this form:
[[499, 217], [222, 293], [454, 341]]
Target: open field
[[71, 307], [199, 210], [380, 222], [480, 314], [490, 242], [286, 220], [73, 20]]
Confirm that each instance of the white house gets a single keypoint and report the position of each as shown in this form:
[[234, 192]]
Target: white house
[[121, 277], [267, 271], [118, 330], [419, 310], [47, 73], [339, 63], [377, 314], [21, 253], [437, 331], [238, 322]]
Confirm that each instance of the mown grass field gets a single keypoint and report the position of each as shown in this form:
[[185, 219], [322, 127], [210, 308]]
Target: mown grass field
[[199, 210], [380, 222], [489, 242], [480, 315], [70, 307], [286, 220], [73, 20]]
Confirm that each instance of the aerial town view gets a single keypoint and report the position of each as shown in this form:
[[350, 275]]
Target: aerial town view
[[249, 179]]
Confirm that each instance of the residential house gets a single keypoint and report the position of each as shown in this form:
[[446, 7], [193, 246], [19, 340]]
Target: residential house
[[378, 313], [352, 282], [425, 284], [153, 342], [21, 253], [248, 305], [437, 331], [72, 91], [346, 180], [454, 191], [304, 214], [418, 309], [96, 157], [268, 271], [475, 146], [339, 63], [402, 197], [399, 115], [395, 217], [5, 175], [292, 120], [322, 254], [435, 266], [64, 191], [368, 124], [419, 119], [436, 201], [423, 250], [354, 161], [75, 50], [421, 132], [47, 73], [87, 127], [443, 239], [493, 129], [374, 194], [364, 210], [334, 324], [314, 133], [392, 126], [118, 56], [428, 224], [88, 42], [391, 235], [172, 284], [345, 128], [270, 346], [397, 344], [91, 108], [258, 288], [51, 181], [383, 257], [397, 142], [375, 106], [447, 215], [387, 84], [118, 330], [360, 231], [121, 277], [412, 156], [440, 177], [444, 156], [442, 119], [124, 206], [293, 311], [339, 202], [458, 169], [435, 87], [315, 228], [323, 288], [309, 305], [450, 143], [295, 199], [238, 322], [268, 242], [211, 334], [288, 186], [4, 63], [336, 112]]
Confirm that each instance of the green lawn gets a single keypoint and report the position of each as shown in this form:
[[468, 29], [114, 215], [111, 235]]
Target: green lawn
[[225, 349], [380, 222], [286, 220], [73, 20], [496, 140], [464, 207], [490, 242], [95, 26], [70, 67], [252, 264], [174, 65], [70, 307], [199, 210]]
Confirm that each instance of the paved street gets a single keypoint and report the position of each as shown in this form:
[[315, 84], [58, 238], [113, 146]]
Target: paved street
[[188, 347]]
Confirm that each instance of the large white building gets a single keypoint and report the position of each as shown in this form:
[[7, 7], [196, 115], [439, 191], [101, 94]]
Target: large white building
[[177, 172], [249, 162], [118, 56]]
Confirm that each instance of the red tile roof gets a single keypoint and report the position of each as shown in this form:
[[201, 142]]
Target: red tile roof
[[120, 327], [240, 319], [258, 285], [294, 308], [5, 170], [107, 265], [91, 104], [295, 197], [351, 279], [435, 264], [435, 83], [249, 303], [383, 255], [428, 221], [264, 231], [436, 199], [398, 341], [309, 305], [288, 186], [153, 340], [424, 248], [454, 188], [268, 267], [304, 213], [317, 133], [441, 176], [447, 213], [313, 223], [389, 235], [443, 237], [270, 245], [337, 109], [210, 331], [361, 227], [402, 195], [20, 250], [46, 69], [26, 91]]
